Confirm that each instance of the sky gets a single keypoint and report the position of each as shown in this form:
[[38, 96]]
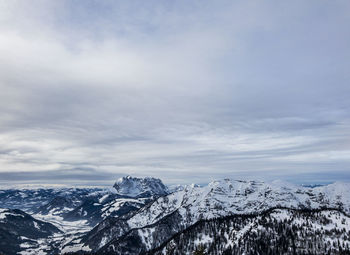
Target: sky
[[186, 91]]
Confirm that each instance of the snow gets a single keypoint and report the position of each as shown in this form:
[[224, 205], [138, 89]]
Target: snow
[[203, 239], [133, 187], [103, 241], [75, 248], [217, 199], [3, 213], [228, 197], [25, 245], [71, 230], [238, 235], [32, 252], [337, 221], [116, 204], [65, 226], [103, 198], [146, 237], [36, 225], [6, 212]]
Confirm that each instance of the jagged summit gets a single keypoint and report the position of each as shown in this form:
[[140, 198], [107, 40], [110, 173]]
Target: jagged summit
[[140, 187]]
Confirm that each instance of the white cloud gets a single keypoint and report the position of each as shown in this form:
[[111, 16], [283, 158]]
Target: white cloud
[[149, 88]]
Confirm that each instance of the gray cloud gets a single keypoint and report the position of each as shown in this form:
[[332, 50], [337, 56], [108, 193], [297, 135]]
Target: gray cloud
[[186, 91]]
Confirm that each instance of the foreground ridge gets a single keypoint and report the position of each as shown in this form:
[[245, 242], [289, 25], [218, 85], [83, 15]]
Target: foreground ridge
[[275, 231]]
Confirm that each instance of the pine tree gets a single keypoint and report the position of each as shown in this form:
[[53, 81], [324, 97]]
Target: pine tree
[[200, 250], [171, 249]]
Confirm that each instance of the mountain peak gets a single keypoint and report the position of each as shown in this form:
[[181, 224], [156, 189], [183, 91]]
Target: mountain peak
[[140, 187]]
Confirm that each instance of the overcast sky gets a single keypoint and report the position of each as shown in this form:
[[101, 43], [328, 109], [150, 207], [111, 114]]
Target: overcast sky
[[187, 91]]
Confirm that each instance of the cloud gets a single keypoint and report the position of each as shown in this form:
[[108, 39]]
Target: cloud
[[186, 91]]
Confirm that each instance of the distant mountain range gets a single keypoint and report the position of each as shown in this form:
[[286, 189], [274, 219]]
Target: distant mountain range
[[141, 216]]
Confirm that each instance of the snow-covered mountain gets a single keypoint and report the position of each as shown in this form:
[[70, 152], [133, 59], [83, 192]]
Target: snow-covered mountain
[[95, 209], [129, 194], [140, 187], [139, 216], [44, 200], [276, 231], [159, 221], [76, 210], [20, 231]]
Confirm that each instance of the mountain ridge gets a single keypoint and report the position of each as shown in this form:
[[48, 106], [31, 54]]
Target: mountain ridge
[[153, 217], [218, 199]]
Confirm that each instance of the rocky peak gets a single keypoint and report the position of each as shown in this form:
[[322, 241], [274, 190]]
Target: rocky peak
[[140, 187]]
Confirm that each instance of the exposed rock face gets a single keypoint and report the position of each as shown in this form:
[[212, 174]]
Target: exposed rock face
[[140, 187], [130, 194]]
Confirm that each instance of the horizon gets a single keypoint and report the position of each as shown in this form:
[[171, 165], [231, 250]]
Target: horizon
[[184, 91], [24, 186]]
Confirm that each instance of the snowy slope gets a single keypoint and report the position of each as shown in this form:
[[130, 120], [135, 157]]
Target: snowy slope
[[19, 230], [220, 198], [96, 209], [277, 231], [227, 197]]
